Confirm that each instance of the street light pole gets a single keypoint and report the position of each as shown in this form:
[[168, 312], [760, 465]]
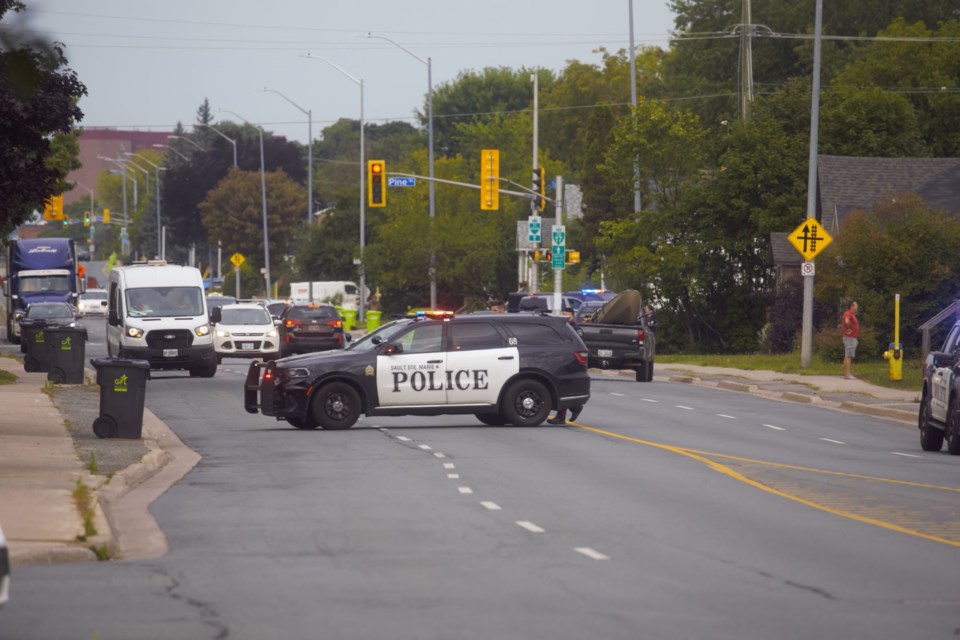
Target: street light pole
[[309, 113], [263, 198], [362, 307], [433, 202], [157, 168], [123, 166], [228, 139]]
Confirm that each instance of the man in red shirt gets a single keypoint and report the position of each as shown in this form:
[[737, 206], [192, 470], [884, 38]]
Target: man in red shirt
[[851, 328]]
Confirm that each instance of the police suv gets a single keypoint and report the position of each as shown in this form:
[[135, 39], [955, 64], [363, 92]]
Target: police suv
[[503, 368], [940, 396]]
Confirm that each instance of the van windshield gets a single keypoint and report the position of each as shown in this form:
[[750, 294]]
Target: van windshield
[[164, 302]]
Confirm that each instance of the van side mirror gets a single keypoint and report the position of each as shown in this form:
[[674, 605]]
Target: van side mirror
[[216, 315], [112, 317]]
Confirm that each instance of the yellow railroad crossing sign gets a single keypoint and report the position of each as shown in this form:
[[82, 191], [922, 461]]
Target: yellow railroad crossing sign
[[237, 259], [809, 239]]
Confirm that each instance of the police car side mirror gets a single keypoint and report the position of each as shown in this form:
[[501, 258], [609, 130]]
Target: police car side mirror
[[376, 340], [393, 349]]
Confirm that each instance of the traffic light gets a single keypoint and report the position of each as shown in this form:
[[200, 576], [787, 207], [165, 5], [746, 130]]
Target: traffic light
[[538, 187], [86, 218], [53, 208], [490, 180], [106, 216], [376, 186], [542, 255], [66, 221]]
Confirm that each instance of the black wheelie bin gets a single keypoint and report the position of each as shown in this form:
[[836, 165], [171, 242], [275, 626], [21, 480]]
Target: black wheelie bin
[[67, 346], [123, 385], [35, 343]]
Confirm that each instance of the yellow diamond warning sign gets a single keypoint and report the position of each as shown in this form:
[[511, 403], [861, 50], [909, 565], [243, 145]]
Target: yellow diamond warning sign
[[809, 239]]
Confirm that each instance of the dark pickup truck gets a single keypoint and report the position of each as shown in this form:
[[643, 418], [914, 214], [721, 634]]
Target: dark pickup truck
[[617, 336]]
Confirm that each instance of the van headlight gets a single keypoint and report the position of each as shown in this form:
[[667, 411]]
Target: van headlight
[[134, 332], [202, 330]]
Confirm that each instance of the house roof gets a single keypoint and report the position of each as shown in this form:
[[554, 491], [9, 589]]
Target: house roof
[[847, 183], [783, 252]]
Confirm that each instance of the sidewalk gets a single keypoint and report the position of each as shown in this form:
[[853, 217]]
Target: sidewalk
[[42, 457], [41, 464]]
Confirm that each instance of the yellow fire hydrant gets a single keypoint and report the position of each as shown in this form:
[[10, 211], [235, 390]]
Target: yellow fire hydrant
[[894, 353]]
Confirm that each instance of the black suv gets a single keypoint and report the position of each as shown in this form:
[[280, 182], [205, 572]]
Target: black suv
[[502, 368], [310, 327]]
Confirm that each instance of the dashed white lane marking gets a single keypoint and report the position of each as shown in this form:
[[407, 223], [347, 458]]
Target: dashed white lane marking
[[426, 447], [905, 455], [833, 441], [591, 553], [774, 427], [723, 415], [384, 429], [650, 400], [439, 455], [403, 438], [465, 490], [529, 526], [619, 395], [684, 407], [453, 476], [493, 506], [449, 465]]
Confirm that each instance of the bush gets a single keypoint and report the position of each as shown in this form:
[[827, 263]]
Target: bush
[[828, 344]]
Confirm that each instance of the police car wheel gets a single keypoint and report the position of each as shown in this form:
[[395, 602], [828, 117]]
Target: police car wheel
[[302, 423], [953, 427], [492, 419], [335, 406], [526, 403], [931, 438]]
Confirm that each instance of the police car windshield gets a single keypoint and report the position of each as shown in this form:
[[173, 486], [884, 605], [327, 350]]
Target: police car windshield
[[384, 333]]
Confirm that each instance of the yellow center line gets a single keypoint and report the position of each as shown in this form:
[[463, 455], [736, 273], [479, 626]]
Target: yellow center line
[[701, 456]]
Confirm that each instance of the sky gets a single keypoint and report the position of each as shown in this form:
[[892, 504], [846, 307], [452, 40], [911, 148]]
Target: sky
[[149, 65]]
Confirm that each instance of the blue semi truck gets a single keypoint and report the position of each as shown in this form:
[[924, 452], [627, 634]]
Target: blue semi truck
[[39, 270]]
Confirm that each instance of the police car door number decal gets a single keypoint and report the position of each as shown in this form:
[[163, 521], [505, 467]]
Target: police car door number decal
[[939, 393], [485, 373], [412, 379]]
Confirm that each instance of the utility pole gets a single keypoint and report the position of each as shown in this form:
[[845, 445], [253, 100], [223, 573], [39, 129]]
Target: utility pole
[[558, 273], [534, 210], [633, 100], [746, 61], [806, 333]]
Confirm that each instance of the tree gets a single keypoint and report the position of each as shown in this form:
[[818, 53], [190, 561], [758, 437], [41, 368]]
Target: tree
[[232, 213], [901, 246], [38, 108]]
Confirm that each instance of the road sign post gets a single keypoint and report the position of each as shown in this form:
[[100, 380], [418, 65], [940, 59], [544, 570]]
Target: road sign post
[[237, 259]]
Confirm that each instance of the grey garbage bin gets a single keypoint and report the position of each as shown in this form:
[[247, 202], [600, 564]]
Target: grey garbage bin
[[35, 343], [123, 385], [67, 346]]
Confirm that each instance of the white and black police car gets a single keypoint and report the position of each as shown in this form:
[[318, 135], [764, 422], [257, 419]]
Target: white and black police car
[[940, 396], [503, 368]]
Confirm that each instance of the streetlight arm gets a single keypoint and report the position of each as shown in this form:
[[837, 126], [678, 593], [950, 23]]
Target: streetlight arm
[[398, 46], [169, 148], [332, 64], [265, 90], [184, 138]]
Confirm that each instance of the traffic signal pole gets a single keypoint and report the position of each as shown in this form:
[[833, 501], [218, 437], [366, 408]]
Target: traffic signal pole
[[558, 272]]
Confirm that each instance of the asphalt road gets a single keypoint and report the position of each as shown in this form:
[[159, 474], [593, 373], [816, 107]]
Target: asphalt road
[[674, 511]]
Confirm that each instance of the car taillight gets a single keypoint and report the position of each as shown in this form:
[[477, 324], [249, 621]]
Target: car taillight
[[640, 335], [268, 374], [335, 323], [581, 356], [291, 323]]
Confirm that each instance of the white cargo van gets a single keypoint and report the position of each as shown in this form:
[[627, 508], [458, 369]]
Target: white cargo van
[[158, 313], [341, 293]]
